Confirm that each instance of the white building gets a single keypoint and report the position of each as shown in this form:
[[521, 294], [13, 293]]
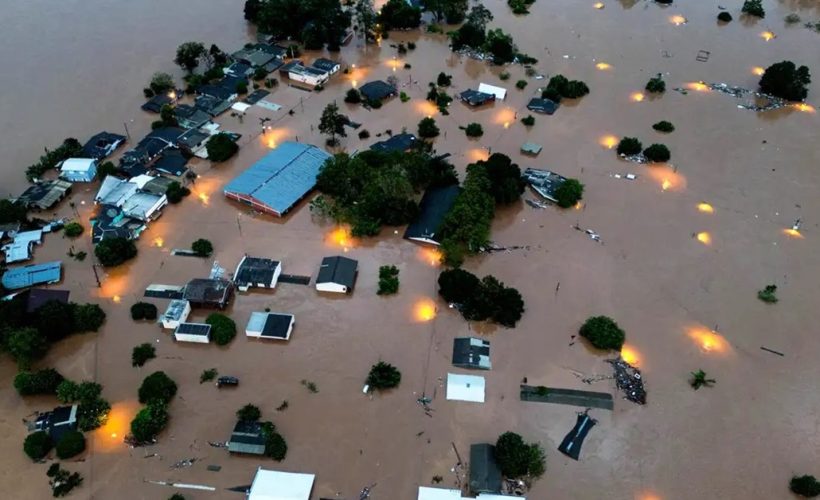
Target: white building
[[114, 191], [308, 75], [144, 206], [337, 274], [193, 332], [267, 325], [427, 493], [465, 388], [20, 249], [499, 92], [275, 485], [177, 313], [256, 272], [79, 169]]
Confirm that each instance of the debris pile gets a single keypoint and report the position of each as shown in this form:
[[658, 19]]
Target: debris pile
[[629, 379]]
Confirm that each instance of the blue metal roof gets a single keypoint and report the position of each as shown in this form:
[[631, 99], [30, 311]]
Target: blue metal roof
[[34, 274], [281, 178]]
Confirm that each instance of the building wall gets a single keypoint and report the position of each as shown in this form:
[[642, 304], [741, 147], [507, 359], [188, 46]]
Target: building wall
[[200, 339], [331, 287]]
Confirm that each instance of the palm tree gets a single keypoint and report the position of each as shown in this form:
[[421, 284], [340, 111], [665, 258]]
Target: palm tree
[[699, 380]]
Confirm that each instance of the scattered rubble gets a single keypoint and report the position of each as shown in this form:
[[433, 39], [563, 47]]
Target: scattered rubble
[[629, 379]]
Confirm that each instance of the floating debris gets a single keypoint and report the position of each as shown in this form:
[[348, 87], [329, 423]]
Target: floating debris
[[751, 96], [535, 203], [183, 463], [629, 379]]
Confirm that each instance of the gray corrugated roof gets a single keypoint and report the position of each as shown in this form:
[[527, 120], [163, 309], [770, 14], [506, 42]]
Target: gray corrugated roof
[[485, 476], [281, 178], [338, 269]]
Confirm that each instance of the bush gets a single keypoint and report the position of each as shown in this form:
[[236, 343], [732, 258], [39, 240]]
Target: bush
[[569, 89], [176, 192], [71, 443], [516, 458], [403, 97], [411, 46], [202, 248], [528, 121], [177, 496], [521, 84], [353, 96], [221, 147], [519, 6], [754, 8], [73, 229], [275, 445], [479, 300], [161, 83], [142, 353], [657, 153], [26, 345], [444, 80], [383, 376], [70, 148], [87, 317], [105, 169], [260, 73], [249, 412], [552, 94], [69, 391], [427, 128], [805, 486], [62, 481], [388, 280], [724, 17], [223, 328], [603, 333], [207, 375], [157, 387], [40, 382], [767, 295], [504, 76], [664, 126], [792, 18], [474, 130], [149, 421], [656, 85], [364, 134], [629, 146], [569, 193], [143, 310], [92, 414], [37, 445], [114, 251], [786, 80]]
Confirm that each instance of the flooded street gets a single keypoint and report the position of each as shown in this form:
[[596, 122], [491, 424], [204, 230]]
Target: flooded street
[[668, 270]]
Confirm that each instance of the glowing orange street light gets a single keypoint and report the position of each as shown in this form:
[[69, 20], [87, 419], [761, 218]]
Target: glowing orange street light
[[706, 208], [708, 340], [117, 299], [698, 86], [637, 96], [794, 233], [677, 20], [158, 242], [603, 66], [805, 108], [431, 256], [608, 141], [424, 310], [704, 238], [768, 35], [666, 184], [757, 70], [630, 355], [599, 5]]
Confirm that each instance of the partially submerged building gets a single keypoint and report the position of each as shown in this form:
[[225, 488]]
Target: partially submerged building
[[37, 297], [57, 421], [540, 105], [485, 475], [327, 65], [176, 314], [189, 117], [102, 145], [111, 222], [155, 104], [434, 206], [247, 438], [476, 98], [115, 191], [377, 91], [21, 248], [470, 352], [17, 278], [465, 388], [256, 272], [398, 143], [268, 325], [275, 485], [530, 148], [308, 75], [208, 292], [337, 274], [144, 206], [45, 194], [544, 182], [199, 333], [260, 55], [500, 93], [279, 180], [78, 169]]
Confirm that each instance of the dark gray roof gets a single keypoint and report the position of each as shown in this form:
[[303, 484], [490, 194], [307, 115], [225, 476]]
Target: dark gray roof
[[485, 476], [471, 353], [155, 104], [255, 96], [45, 194], [216, 91], [277, 326], [102, 144], [253, 270], [399, 142], [376, 90], [434, 206], [338, 269], [190, 117], [167, 134], [201, 329], [544, 182], [206, 291], [111, 222], [39, 296], [476, 98], [214, 106], [171, 162], [192, 138], [247, 437], [325, 65], [542, 105], [239, 68]]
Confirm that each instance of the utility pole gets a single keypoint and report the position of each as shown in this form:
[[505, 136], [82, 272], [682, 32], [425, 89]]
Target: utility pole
[[127, 134], [96, 276]]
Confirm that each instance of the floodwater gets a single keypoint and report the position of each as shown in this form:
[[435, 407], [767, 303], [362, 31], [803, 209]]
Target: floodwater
[[668, 271]]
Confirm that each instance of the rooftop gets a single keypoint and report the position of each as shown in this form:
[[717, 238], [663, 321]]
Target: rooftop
[[434, 206], [142, 205], [34, 274], [544, 182], [171, 162], [45, 194], [376, 90], [272, 325], [39, 296], [102, 145], [198, 329], [212, 105], [485, 476], [78, 165], [469, 352], [399, 142], [476, 98], [155, 104], [280, 179], [176, 310], [247, 437], [465, 388], [499, 92], [275, 485], [190, 117], [542, 105], [111, 222], [339, 270], [208, 291], [254, 271], [115, 191], [325, 65]]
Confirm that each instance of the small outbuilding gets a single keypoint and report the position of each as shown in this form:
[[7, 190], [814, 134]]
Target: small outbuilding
[[102, 145], [337, 274], [275, 485], [208, 292], [257, 273], [434, 206], [500, 93], [485, 475], [268, 325], [21, 248], [377, 91], [476, 98], [530, 148], [57, 421], [155, 104], [176, 314], [470, 352], [78, 169], [247, 438], [545, 106], [193, 332], [465, 388]]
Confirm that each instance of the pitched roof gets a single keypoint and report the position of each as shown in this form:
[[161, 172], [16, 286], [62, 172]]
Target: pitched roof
[[171, 162], [155, 104], [476, 98], [325, 65], [376, 90], [33, 274], [46, 194], [190, 117], [78, 165], [485, 476], [103, 144], [212, 105], [39, 296], [176, 310], [255, 270], [544, 182], [247, 437], [399, 142], [111, 222], [281, 178], [208, 291], [542, 105], [215, 91], [339, 270], [115, 191], [434, 206]]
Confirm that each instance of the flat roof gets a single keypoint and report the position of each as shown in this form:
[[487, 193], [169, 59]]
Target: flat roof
[[498, 92], [276, 485], [272, 325], [282, 177], [206, 290], [39, 296], [253, 270], [33, 274], [465, 388], [199, 329], [485, 476], [338, 269], [176, 309], [472, 352]]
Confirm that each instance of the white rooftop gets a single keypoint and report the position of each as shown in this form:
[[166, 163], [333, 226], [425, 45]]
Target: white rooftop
[[492, 496], [78, 165], [499, 92], [115, 191], [426, 493], [141, 180], [176, 310], [465, 388], [275, 485]]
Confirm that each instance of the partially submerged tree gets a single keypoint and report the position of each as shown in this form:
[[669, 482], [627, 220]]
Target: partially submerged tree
[[73, 229], [388, 280], [143, 310], [40, 382], [366, 17], [37, 445], [657, 153], [223, 328], [275, 445], [175, 192], [501, 46], [25, 345], [560, 87], [427, 128], [753, 8], [221, 147], [603, 333], [150, 421], [157, 387], [202, 247], [444, 80], [629, 146], [161, 83], [353, 96], [528, 121], [805, 486], [188, 55], [569, 193], [699, 380], [724, 17], [479, 300], [474, 130], [398, 14], [786, 80], [656, 85], [71, 444], [249, 413], [332, 123], [768, 294], [664, 126], [115, 251], [142, 353], [517, 458], [383, 376]]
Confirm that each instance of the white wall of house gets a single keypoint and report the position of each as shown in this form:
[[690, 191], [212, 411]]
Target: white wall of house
[[184, 337], [307, 78], [79, 170], [331, 287], [172, 324]]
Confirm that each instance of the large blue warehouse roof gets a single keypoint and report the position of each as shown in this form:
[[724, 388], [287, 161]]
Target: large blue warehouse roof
[[280, 179], [34, 274]]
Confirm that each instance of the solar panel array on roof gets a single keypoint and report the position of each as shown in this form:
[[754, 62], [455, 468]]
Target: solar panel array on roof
[[279, 180], [201, 329]]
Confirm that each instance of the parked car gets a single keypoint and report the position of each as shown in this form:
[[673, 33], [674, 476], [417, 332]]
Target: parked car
[[227, 381]]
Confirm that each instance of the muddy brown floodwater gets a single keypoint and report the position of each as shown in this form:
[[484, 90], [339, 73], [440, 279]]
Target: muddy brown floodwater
[[668, 271]]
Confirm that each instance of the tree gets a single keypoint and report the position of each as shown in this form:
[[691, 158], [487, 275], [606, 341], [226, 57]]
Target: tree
[[805, 486], [167, 116], [629, 146], [37, 445], [216, 59], [603, 333], [521, 84], [444, 80], [114, 251], [754, 8], [188, 55], [474, 130], [157, 387], [768, 294], [456, 286], [509, 307], [26, 345], [55, 320], [699, 380], [388, 280], [175, 192], [428, 128], [223, 328], [87, 317], [560, 87], [520, 6], [724, 17], [142, 353], [657, 153], [383, 376], [501, 46], [39, 382], [664, 126], [143, 310], [479, 16], [332, 123], [353, 96], [249, 413], [656, 85], [70, 148], [73, 229], [252, 8], [786, 80], [569, 193], [71, 443], [161, 83], [275, 445], [398, 14], [62, 481], [202, 248], [506, 183], [221, 147], [149, 421], [105, 169], [366, 17], [516, 458], [177, 496], [11, 212]]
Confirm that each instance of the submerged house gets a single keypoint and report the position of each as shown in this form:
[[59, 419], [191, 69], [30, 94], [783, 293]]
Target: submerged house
[[57, 421], [544, 182], [144, 206], [21, 248], [114, 191], [260, 55], [275, 485], [172, 164], [199, 333], [102, 145], [500, 93], [111, 222], [377, 91], [434, 206], [79, 169], [45, 194], [247, 438], [268, 325], [485, 475], [470, 352], [189, 117], [155, 104], [337, 274], [398, 143], [214, 106], [208, 292], [545, 106], [328, 66], [257, 273], [476, 98], [176, 314], [37, 297]]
